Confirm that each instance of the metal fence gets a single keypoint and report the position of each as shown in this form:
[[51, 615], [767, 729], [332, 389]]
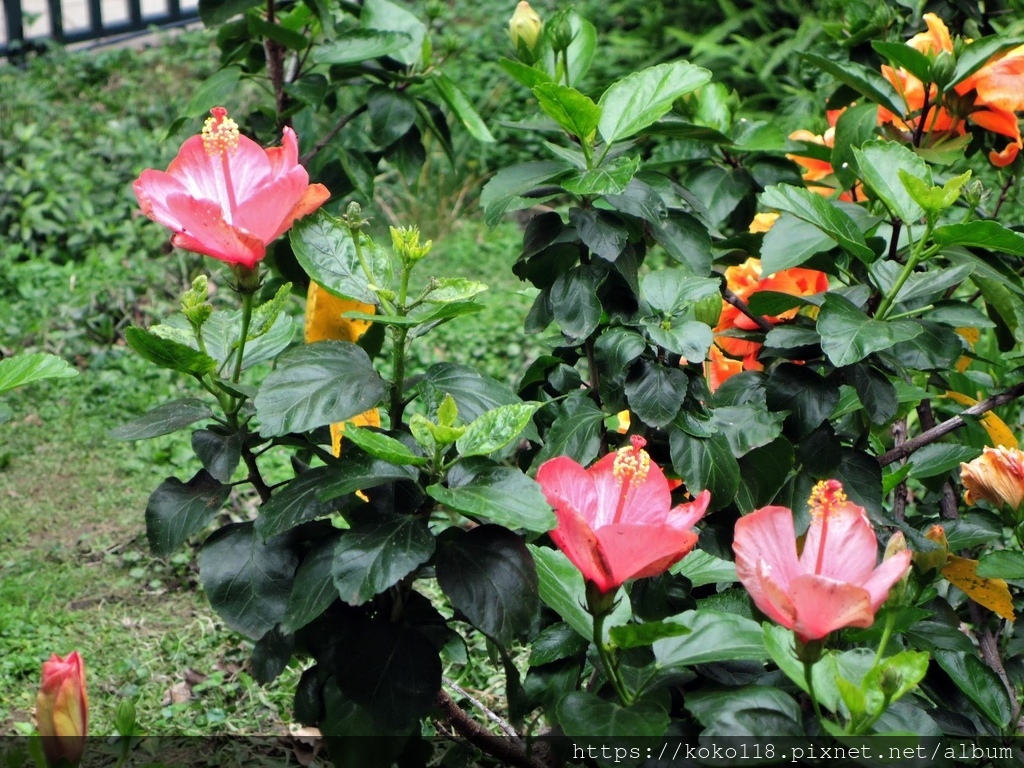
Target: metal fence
[[26, 23]]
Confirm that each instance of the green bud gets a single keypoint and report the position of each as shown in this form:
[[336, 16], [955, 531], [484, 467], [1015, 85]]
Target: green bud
[[406, 242], [353, 217], [434, 9], [708, 310], [193, 302], [943, 67], [124, 719], [560, 33], [890, 682]]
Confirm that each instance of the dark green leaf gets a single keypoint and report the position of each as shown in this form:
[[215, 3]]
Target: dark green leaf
[[314, 589], [713, 636], [504, 189], [296, 502], [862, 478], [392, 670], [790, 242], [584, 714], [176, 510], [162, 420], [1002, 564], [383, 447], [763, 472], [638, 100], [848, 335], [877, 394], [746, 426], [939, 458], [601, 231], [816, 210], [879, 164], [501, 495], [392, 113], [215, 89], [907, 57], [609, 178], [561, 588], [855, 126], [686, 240], [576, 431], [376, 552], [575, 303], [524, 75], [865, 81], [807, 396], [261, 28], [216, 12], [357, 471], [706, 464], [656, 393], [324, 247], [979, 683], [576, 113], [977, 53], [749, 712], [219, 453], [463, 109], [169, 354], [271, 654], [358, 45], [700, 568], [687, 338], [990, 235], [317, 384], [669, 291], [247, 580], [640, 635], [490, 578], [385, 16], [554, 643]]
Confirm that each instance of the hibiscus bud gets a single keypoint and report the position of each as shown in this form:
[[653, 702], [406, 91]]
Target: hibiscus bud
[[560, 32], [897, 543], [933, 559], [62, 709], [406, 242], [708, 310], [193, 302], [524, 29], [942, 68]]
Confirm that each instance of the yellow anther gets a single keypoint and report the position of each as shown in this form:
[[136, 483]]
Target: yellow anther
[[826, 497], [220, 132], [632, 462]]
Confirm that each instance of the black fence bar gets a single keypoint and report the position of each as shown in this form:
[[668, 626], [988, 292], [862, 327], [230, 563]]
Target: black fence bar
[[16, 46], [15, 25], [96, 17], [56, 20]]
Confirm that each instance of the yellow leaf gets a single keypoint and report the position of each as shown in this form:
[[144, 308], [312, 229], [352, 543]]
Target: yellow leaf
[[324, 320], [962, 573], [998, 432]]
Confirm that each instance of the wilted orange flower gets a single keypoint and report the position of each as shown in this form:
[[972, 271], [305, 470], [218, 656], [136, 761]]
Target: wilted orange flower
[[719, 367], [997, 476]]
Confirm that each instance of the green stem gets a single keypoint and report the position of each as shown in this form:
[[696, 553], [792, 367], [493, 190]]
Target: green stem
[[398, 353], [246, 319], [919, 254], [809, 678], [890, 622], [607, 656]]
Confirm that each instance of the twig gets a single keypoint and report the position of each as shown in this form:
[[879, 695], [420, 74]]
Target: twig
[[899, 505], [507, 751], [329, 136], [255, 477], [949, 425], [741, 305], [505, 726], [990, 653], [1003, 194]]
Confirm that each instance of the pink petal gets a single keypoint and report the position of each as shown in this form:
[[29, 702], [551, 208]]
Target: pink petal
[[769, 597], [152, 189], [684, 516], [566, 484], [849, 549], [638, 551], [204, 230], [823, 605], [314, 196], [885, 575], [266, 209], [766, 534], [198, 171], [284, 158], [647, 503], [250, 168], [579, 543]]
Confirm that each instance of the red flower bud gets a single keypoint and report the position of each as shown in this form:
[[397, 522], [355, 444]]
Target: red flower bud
[[62, 709]]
